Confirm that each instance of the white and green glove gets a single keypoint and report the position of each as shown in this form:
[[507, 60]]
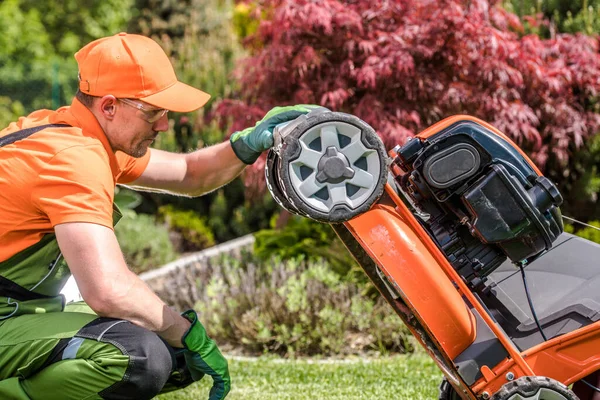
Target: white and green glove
[[249, 144]]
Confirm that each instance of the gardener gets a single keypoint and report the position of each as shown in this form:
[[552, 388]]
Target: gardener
[[58, 171]]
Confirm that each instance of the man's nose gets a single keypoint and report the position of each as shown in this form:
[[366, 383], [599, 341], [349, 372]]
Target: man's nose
[[162, 124]]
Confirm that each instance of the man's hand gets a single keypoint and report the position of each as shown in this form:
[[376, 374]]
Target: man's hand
[[202, 356], [251, 142]]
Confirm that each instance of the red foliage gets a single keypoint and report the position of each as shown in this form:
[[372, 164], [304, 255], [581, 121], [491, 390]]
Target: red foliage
[[402, 65]]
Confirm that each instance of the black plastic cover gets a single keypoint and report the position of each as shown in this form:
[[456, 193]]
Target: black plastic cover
[[504, 214]]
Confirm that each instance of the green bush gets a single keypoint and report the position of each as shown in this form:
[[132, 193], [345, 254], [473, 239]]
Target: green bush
[[193, 230], [126, 198], [569, 16], [144, 243], [38, 40], [290, 308], [243, 23], [303, 237], [252, 215], [10, 111], [586, 233]]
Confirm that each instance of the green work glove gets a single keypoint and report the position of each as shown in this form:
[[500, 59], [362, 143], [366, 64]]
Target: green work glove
[[202, 356], [251, 142]]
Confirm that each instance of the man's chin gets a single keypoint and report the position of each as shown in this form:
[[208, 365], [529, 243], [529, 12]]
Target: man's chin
[[139, 152]]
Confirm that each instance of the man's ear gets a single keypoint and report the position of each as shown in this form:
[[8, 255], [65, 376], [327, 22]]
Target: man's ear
[[107, 106]]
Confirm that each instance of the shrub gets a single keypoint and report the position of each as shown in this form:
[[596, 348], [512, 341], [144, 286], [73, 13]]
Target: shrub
[[582, 179], [548, 16], [9, 111], [37, 42], [290, 308], [254, 213], [144, 243], [588, 233], [193, 230], [230, 215], [303, 237]]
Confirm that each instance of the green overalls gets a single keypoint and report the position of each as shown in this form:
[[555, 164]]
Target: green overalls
[[51, 351]]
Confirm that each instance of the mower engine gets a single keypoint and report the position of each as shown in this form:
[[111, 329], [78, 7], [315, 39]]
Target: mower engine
[[478, 197]]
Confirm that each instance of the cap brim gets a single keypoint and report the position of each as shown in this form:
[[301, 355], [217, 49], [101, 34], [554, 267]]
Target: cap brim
[[179, 98]]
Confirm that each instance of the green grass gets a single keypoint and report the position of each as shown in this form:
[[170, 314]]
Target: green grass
[[412, 377]]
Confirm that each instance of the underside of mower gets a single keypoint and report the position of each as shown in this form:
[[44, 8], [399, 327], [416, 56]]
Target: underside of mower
[[463, 236]]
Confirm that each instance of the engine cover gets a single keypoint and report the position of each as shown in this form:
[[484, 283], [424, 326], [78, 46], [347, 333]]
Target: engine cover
[[470, 180]]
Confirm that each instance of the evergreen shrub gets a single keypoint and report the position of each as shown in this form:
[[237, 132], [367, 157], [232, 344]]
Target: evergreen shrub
[[193, 231], [303, 237]]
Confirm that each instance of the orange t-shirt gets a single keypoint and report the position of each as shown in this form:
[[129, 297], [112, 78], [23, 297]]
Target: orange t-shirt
[[58, 175]]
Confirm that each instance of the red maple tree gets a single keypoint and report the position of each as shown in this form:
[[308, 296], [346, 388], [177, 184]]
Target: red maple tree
[[402, 65]]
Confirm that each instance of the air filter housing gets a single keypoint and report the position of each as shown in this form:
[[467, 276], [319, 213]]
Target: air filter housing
[[470, 180]]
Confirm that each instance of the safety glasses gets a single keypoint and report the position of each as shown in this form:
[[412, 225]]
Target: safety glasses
[[151, 115]]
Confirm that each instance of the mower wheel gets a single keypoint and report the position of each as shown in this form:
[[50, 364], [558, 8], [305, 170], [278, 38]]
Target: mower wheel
[[534, 388], [447, 392], [330, 167]]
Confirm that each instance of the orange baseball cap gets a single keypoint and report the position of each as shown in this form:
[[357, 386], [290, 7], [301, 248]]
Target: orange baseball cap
[[134, 66]]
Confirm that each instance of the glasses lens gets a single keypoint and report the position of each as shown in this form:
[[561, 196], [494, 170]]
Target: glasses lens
[[149, 114], [154, 115]]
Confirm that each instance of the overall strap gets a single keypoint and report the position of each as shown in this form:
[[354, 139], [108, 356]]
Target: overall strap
[[8, 288], [22, 134], [31, 255]]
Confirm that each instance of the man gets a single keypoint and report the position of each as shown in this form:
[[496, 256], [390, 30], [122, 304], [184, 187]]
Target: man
[[58, 171]]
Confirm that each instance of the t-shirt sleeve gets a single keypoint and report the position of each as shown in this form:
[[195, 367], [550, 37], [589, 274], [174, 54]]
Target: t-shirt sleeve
[[76, 186], [131, 168]]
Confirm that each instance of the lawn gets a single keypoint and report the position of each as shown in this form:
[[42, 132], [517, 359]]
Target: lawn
[[399, 377]]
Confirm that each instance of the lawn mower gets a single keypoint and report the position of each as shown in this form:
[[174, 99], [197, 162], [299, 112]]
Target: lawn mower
[[463, 236]]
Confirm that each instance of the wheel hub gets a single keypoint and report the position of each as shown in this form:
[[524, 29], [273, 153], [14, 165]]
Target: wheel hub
[[333, 167]]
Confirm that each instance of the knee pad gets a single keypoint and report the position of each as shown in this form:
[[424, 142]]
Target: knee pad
[[151, 360]]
